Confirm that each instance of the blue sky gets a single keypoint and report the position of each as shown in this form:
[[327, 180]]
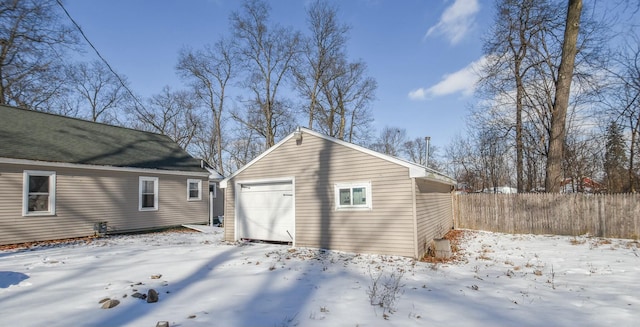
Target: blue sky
[[421, 52]]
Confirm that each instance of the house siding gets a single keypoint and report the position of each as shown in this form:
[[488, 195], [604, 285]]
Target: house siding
[[434, 211], [87, 196], [317, 165], [218, 201]]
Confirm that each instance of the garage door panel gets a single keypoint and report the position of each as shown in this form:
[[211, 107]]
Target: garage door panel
[[266, 187], [265, 211]]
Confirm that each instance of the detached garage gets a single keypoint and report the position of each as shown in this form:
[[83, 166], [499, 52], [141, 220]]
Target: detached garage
[[313, 190]]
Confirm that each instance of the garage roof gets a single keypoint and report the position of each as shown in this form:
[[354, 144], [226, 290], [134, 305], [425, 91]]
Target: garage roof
[[415, 170]]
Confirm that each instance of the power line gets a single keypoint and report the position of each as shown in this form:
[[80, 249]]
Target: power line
[[124, 85]]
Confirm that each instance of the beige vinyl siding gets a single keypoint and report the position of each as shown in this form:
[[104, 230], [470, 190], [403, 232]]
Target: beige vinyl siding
[[229, 212], [317, 165], [218, 201], [87, 196], [434, 212]]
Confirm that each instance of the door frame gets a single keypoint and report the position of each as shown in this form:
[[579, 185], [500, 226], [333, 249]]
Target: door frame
[[237, 188]]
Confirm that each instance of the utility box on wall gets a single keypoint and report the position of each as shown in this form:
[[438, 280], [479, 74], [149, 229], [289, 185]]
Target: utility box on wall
[[100, 228]]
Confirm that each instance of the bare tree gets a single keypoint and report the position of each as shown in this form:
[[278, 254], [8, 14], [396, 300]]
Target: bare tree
[[338, 91], [581, 161], [209, 71], [246, 144], [478, 161], [321, 50], [98, 90], [514, 34], [525, 82], [32, 43], [344, 113], [416, 151], [561, 99], [625, 105], [390, 141], [267, 53], [172, 113], [494, 168]]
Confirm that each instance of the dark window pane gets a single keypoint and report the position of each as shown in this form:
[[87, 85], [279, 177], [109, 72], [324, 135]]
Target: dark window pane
[[38, 203], [148, 201], [147, 187], [193, 194], [38, 184], [345, 196]]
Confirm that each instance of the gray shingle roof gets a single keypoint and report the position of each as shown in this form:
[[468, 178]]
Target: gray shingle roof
[[32, 135]]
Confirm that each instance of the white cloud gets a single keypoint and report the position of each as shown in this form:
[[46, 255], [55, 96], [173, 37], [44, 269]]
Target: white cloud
[[462, 81], [419, 94], [456, 20]]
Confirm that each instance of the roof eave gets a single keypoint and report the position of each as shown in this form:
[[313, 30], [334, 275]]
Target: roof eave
[[13, 161], [417, 172]]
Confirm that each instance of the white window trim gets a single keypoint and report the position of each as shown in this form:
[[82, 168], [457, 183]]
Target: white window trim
[[368, 192], [25, 193], [199, 182], [142, 179]]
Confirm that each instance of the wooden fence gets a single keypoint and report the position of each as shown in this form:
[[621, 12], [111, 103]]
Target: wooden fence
[[603, 215]]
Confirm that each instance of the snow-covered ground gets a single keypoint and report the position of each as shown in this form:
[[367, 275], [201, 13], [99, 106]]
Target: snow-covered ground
[[499, 280]]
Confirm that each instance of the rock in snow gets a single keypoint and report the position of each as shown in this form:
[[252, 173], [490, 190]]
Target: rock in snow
[[110, 303], [152, 296]]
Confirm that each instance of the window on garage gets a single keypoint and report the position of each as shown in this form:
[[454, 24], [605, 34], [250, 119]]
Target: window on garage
[[353, 195]]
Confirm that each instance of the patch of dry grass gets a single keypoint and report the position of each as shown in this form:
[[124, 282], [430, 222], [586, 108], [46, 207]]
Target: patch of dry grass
[[454, 237]]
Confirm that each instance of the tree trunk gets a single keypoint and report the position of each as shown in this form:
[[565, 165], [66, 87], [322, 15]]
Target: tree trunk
[[561, 101], [519, 142], [632, 154], [343, 120]]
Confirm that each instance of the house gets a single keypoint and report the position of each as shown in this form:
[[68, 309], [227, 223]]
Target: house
[[501, 189], [582, 185], [312, 190], [63, 177]]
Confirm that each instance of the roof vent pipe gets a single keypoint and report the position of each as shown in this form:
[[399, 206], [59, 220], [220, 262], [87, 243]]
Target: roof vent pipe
[[426, 150], [298, 134]]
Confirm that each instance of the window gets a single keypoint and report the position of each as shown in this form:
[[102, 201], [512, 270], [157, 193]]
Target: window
[[353, 196], [39, 193], [194, 189], [148, 193]]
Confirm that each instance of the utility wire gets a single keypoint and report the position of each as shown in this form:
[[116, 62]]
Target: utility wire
[[102, 58]]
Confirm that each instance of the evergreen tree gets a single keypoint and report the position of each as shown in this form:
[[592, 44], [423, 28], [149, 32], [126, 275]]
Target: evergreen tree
[[615, 159]]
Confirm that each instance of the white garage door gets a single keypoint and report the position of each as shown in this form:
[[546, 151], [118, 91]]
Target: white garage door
[[265, 211]]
